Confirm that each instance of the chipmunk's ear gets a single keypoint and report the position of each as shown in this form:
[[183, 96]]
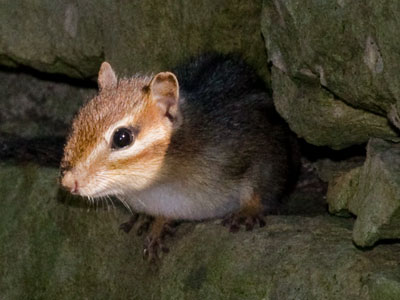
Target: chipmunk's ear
[[164, 90], [107, 78]]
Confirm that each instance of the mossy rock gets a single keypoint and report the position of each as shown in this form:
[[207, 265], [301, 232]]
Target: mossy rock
[[342, 58], [371, 192], [54, 246], [315, 115], [74, 37], [33, 106]]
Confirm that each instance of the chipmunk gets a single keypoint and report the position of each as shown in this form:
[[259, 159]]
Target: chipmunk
[[200, 142]]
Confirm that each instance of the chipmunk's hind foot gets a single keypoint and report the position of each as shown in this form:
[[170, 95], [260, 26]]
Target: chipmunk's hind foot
[[236, 220], [250, 214]]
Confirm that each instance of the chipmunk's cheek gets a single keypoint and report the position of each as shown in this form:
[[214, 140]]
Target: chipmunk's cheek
[[141, 171]]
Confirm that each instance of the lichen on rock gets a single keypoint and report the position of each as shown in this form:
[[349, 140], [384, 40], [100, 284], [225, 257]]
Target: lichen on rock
[[321, 119], [54, 246], [372, 193], [339, 65], [74, 37]]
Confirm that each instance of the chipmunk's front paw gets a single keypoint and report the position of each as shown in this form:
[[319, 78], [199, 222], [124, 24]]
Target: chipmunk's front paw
[[141, 221], [153, 246], [127, 226], [236, 220], [154, 241]]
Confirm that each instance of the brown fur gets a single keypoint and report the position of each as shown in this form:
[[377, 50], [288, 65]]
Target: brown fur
[[104, 110], [205, 146], [252, 206]]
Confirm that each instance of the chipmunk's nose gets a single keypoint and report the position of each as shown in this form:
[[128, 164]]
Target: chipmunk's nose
[[70, 182]]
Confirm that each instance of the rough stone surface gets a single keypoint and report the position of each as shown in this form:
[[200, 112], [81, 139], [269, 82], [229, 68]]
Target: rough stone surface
[[39, 107], [342, 190], [334, 71], [338, 65], [53, 246], [372, 192], [74, 37]]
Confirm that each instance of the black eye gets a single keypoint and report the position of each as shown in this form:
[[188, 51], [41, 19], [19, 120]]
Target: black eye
[[122, 138]]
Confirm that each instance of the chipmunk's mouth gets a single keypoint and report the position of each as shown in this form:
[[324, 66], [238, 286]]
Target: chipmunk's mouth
[[82, 186], [101, 194], [97, 190]]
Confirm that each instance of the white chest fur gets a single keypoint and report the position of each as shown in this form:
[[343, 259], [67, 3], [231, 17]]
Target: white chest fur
[[173, 200]]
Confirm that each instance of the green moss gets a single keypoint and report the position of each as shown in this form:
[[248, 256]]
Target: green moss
[[54, 246], [339, 61], [315, 115], [72, 38], [385, 288]]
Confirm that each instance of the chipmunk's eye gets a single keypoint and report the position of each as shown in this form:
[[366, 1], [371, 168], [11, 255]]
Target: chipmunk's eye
[[122, 138]]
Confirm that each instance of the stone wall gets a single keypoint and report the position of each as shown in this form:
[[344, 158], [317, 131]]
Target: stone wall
[[54, 246], [74, 37], [332, 67], [336, 66]]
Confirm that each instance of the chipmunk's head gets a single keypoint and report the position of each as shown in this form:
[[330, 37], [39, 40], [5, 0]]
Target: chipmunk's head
[[119, 139]]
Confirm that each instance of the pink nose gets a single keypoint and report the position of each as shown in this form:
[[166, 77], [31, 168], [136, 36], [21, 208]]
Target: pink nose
[[74, 190], [70, 183]]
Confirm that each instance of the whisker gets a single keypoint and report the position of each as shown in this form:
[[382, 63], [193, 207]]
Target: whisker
[[126, 205], [106, 202], [112, 203], [138, 199], [87, 203], [92, 202], [102, 203]]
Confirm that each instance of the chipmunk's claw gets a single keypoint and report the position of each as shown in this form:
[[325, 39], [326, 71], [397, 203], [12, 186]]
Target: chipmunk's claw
[[152, 247], [154, 242], [127, 226], [143, 222], [144, 225], [251, 221], [236, 220]]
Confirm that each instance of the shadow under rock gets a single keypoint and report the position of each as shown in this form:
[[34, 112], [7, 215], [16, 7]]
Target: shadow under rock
[[309, 195], [89, 83], [45, 151]]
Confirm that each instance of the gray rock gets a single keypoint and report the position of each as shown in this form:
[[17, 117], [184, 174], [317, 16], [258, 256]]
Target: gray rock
[[338, 65], [74, 37], [372, 192], [342, 192], [315, 115], [38, 107], [52, 36], [54, 246]]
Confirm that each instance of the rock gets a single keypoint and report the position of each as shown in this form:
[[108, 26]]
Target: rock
[[331, 168], [315, 115], [34, 106], [74, 37], [54, 246], [338, 65], [385, 287], [52, 36], [36, 113], [342, 191], [372, 192]]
